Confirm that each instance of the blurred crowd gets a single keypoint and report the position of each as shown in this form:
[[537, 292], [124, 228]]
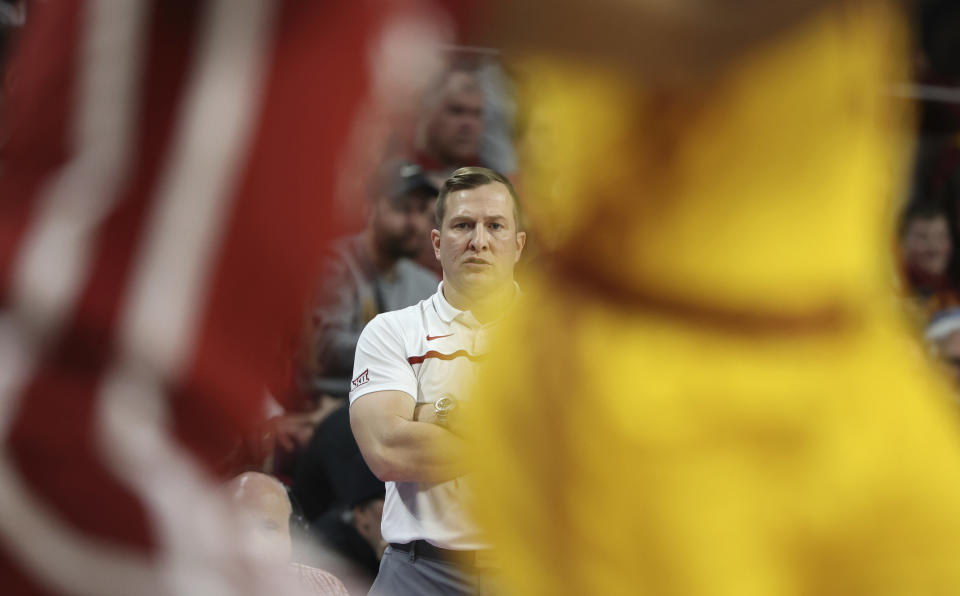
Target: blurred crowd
[[328, 498]]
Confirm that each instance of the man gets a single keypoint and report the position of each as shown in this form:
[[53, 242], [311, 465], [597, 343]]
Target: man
[[925, 244], [341, 499], [265, 507], [925, 252], [368, 274], [412, 368], [452, 125], [372, 272]]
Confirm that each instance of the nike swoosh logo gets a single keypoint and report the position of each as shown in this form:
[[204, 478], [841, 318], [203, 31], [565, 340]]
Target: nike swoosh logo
[[433, 337]]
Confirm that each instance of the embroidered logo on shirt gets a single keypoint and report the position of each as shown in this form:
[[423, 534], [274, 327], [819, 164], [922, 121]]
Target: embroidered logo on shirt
[[362, 379], [433, 337]]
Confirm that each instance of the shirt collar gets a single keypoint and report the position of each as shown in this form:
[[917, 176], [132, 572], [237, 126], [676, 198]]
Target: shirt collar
[[448, 312]]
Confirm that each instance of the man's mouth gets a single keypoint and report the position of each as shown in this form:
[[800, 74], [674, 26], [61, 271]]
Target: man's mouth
[[476, 261]]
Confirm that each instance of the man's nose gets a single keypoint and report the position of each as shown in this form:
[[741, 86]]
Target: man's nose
[[479, 239]]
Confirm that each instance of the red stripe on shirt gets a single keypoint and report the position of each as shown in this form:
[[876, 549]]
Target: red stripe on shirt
[[441, 356]]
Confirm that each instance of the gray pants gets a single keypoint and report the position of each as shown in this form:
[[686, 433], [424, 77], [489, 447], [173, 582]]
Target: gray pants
[[406, 574]]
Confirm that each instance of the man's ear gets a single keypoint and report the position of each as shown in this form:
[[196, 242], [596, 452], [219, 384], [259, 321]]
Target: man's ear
[[435, 238], [521, 242]]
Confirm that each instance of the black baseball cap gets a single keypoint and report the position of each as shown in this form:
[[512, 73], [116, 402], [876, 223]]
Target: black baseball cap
[[398, 178]]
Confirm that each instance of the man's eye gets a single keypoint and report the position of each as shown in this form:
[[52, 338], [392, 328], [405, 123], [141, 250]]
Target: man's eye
[[496, 226], [461, 226]]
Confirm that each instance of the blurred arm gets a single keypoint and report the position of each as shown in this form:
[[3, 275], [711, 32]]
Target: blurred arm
[[662, 41]]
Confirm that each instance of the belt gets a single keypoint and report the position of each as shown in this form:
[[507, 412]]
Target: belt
[[463, 558]]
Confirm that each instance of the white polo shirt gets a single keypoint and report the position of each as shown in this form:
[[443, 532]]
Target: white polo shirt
[[427, 350]]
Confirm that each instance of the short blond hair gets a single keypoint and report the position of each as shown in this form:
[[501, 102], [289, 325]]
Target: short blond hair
[[474, 177]]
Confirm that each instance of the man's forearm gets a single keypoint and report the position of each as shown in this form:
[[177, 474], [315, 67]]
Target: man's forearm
[[413, 451]]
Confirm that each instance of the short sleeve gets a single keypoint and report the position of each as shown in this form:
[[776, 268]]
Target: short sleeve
[[381, 361]]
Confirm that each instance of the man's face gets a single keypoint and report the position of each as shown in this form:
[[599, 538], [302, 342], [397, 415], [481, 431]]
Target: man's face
[[456, 126], [926, 245], [401, 224], [267, 513], [478, 242]]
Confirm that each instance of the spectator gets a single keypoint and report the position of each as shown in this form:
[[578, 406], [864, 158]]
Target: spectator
[[369, 274], [467, 120], [342, 500], [499, 112], [926, 249], [372, 272], [451, 129], [263, 501]]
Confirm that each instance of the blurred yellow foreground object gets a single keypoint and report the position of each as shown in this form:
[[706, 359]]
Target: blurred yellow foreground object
[[706, 389]]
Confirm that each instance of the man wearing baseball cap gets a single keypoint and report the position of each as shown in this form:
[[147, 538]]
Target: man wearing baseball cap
[[366, 274], [373, 272]]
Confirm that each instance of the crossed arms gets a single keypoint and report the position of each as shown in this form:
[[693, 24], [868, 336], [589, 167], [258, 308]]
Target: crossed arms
[[400, 443]]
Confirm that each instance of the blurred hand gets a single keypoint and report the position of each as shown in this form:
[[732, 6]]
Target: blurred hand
[[293, 430], [366, 520]]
